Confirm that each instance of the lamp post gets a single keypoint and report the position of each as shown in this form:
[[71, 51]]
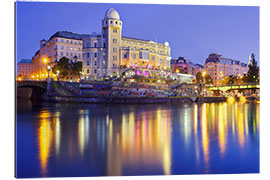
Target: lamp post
[[203, 74], [82, 78], [48, 80], [49, 69], [44, 63], [57, 73]]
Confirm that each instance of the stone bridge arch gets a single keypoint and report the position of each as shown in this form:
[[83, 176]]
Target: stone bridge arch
[[39, 88]]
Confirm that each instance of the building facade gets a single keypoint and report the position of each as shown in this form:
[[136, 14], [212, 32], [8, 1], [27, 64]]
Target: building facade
[[183, 65], [25, 68], [219, 67], [105, 54], [61, 44], [109, 53]]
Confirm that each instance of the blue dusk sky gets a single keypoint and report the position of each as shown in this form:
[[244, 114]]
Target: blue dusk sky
[[192, 31]]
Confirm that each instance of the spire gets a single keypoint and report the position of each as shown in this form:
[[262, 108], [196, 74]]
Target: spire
[[249, 59]]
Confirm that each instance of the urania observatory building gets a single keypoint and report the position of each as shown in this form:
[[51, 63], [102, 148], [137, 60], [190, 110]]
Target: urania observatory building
[[104, 54]]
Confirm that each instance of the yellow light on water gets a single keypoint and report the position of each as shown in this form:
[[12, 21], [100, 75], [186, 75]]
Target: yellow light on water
[[243, 99], [230, 99]]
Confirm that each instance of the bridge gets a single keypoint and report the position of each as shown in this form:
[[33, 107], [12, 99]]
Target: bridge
[[38, 87], [233, 87]]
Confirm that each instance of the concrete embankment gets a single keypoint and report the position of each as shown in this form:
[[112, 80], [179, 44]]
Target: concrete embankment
[[211, 99], [122, 100], [136, 100]]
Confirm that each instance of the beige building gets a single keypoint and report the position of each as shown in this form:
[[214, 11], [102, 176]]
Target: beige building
[[25, 68], [185, 66], [61, 44], [105, 54], [109, 53], [219, 67]]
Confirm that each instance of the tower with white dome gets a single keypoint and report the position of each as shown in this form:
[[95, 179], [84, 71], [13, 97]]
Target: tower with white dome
[[112, 35]]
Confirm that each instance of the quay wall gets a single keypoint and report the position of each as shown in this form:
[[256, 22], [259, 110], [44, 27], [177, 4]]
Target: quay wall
[[135, 100]]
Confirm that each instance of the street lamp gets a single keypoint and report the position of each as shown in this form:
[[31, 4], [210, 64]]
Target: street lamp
[[44, 63], [49, 69], [57, 72], [203, 74]]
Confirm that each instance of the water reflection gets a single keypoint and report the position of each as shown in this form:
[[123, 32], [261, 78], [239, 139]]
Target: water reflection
[[152, 139], [45, 137]]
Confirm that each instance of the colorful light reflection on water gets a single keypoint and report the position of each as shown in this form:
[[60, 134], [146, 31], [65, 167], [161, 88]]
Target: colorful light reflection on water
[[96, 140]]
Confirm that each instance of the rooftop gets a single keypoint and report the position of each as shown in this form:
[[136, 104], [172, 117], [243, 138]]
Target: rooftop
[[69, 35], [138, 39], [25, 61]]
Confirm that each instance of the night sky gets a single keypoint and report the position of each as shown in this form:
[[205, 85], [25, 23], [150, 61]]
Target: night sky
[[192, 31]]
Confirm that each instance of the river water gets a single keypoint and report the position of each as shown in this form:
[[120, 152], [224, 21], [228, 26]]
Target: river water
[[60, 140]]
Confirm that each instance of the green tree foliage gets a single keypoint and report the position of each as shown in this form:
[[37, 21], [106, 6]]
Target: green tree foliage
[[65, 67], [76, 68], [200, 79], [253, 71], [231, 79]]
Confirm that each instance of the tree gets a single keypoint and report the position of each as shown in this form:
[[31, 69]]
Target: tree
[[65, 67], [62, 66], [76, 68], [200, 79], [253, 71], [231, 79]]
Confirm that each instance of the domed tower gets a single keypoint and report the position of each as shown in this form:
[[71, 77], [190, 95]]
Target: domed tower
[[112, 34]]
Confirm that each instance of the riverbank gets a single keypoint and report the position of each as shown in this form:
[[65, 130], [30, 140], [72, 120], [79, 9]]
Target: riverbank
[[136, 100]]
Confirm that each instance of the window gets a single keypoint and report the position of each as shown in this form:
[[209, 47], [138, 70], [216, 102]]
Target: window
[[88, 63], [114, 57], [144, 55], [106, 22], [104, 45], [115, 22], [95, 45], [115, 30], [95, 71], [95, 63], [67, 41], [79, 55], [62, 47], [88, 55], [160, 60], [87, 71], [111, 22], [61, 40], [125, 55], [95, 55], [79, 49], [114, 49], [67, 54], [114, 40], [71, 42], [71, 54], [62, 53], [153, 58], [134, 56]]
